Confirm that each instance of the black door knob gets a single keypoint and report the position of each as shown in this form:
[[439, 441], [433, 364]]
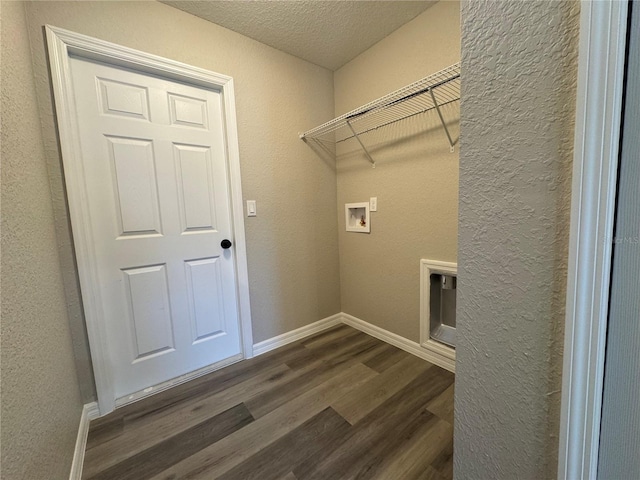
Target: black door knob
[[226, 244]]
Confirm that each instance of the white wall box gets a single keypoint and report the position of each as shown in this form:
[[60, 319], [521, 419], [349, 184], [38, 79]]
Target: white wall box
[[357, 217]]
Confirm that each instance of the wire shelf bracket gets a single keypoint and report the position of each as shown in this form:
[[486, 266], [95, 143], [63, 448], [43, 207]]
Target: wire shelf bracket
[[430, 93], [366, 152]]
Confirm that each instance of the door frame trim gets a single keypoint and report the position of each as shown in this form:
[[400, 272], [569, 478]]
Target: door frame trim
[[61, 45], [603, 28]]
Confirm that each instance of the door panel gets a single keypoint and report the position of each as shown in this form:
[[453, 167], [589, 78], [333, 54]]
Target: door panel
[[135, 185], [195, 187], [118, 98], [206, 311], [149, 312], [190, 112], [155, 168]]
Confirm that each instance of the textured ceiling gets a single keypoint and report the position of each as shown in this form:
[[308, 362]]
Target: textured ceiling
[[327, 33]]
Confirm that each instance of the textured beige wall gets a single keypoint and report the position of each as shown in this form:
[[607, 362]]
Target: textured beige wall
[[292, 243], [41, 403], [415, 180], [518, 102]]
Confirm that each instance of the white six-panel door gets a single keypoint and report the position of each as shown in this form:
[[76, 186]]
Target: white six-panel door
[[155, 168]]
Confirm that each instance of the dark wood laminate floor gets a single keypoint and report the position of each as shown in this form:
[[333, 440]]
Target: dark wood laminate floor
[[338, 405]]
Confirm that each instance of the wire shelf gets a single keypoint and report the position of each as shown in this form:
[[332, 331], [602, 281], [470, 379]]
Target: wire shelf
[[429, 93]]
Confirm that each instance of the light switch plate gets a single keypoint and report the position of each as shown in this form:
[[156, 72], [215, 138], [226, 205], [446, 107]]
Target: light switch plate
[[373, 204], [251, 208]]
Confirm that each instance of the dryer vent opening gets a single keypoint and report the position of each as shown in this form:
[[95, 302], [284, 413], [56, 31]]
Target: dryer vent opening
[[442, 308]]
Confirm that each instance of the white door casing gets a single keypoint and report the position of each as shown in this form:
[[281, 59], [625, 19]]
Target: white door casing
[[151, 165], [601, 67]]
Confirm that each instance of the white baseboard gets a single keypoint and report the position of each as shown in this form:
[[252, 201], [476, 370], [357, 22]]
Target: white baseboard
[[297, 334], [397, 341], [89, 412], [443, 359]]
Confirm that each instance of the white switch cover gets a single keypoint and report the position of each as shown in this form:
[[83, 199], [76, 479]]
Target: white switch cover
[[373, 204], [251, 208]]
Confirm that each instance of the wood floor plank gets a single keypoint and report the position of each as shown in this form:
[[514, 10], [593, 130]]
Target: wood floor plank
[[387, 358], [225, 454], [104, 432], [364, 352], [307, 378], [442, 405], [159, 425], [309, 440], [333, 336], [379, 389], [289, 476], [377, 434], [205, 385], [327, 336], [341, 345], [443, 463], [417, 452], [429, 474], [156, 459]]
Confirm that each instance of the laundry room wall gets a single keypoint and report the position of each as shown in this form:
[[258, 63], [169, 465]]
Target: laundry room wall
[[292, 244], [415, 179]]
